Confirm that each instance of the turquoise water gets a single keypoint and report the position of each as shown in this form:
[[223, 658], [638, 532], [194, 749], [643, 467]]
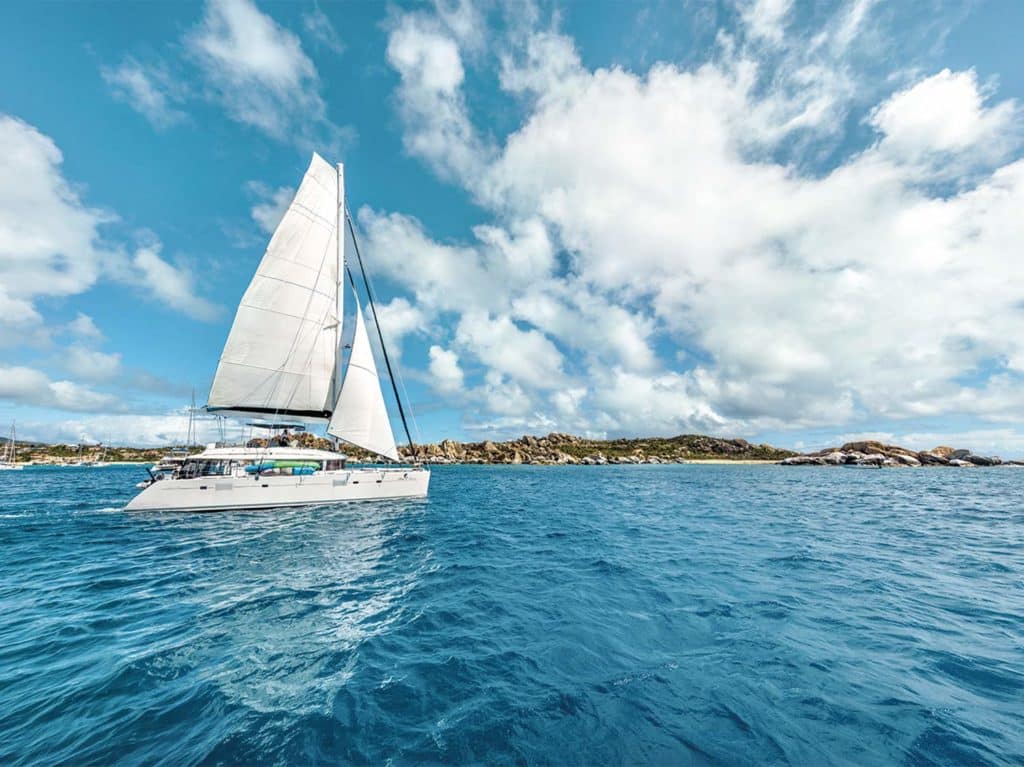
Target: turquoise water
[[523, 615]]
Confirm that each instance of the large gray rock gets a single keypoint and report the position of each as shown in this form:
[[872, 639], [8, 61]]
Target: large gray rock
[[804, 460], [981, 460], [907, 460], [959, 454], [960, 462], [931, 459]]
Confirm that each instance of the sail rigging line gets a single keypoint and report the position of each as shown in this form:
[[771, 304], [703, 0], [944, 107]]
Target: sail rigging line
[[380, 335], [412, 415]]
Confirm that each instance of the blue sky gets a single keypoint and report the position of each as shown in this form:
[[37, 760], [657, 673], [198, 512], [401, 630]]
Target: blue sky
[[793, 222]]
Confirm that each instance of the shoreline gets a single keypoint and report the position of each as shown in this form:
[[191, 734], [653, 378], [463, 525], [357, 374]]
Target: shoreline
[[556, 449]]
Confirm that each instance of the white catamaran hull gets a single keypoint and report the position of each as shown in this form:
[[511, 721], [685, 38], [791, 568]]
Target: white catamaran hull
[[234, 493]]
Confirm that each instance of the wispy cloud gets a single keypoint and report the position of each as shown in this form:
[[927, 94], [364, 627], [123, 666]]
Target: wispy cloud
[[248, 64], [149, 90], [319, 27]]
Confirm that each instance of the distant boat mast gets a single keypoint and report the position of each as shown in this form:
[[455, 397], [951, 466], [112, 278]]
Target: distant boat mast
[[190, 435]]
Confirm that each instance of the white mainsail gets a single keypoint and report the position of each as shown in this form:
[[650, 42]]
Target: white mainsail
[[361, 416], [281, 354]]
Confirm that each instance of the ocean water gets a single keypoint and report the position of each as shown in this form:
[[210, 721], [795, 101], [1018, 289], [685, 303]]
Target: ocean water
[[522, 615]]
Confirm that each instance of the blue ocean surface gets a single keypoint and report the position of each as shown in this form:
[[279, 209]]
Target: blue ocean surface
[[639, 615]]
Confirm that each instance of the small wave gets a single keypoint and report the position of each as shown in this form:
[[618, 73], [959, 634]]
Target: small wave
[[830, 617]]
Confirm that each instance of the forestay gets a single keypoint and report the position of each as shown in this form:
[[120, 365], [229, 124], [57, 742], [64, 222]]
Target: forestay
[[281, 354], [361, 416]]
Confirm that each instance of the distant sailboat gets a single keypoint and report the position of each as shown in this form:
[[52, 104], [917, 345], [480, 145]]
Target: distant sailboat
[[9, 456], [281, 362], [81, 462], [171, 463]]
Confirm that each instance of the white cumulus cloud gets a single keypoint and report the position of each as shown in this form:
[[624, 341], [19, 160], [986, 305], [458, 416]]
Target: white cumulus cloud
[[445, 373], [92, 365], [174, 285], [84, 327], [426, 55], [690, 276], [28, 386], [945, 113]]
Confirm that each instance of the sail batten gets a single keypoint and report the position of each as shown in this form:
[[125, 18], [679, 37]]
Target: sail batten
[[360, 415], [281, 353]]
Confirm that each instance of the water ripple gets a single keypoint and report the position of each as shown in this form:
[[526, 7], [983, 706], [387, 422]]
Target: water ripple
[[621, 615]]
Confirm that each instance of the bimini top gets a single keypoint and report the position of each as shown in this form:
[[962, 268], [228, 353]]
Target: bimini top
[[277, 426], [266, 454]]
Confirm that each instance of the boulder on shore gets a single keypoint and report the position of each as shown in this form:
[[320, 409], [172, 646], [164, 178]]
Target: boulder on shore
[[804, 460]]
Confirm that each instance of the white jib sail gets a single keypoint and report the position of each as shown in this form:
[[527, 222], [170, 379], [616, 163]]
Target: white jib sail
[[361, 416], [281, 354]]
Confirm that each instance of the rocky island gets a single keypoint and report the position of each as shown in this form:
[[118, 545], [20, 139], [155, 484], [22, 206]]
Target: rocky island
[[871, 453], [556, 448]]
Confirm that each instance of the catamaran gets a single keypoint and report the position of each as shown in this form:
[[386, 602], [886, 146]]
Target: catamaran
[[282, 361], [9, 457]]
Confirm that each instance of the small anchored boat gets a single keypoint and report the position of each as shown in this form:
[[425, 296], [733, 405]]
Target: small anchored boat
[[283, 361]]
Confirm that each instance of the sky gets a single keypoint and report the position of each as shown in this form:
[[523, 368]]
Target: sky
[[793, 222]]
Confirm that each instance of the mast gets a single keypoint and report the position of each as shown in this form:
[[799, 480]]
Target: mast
[[380, 336], [338, 280], [190, 434]]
